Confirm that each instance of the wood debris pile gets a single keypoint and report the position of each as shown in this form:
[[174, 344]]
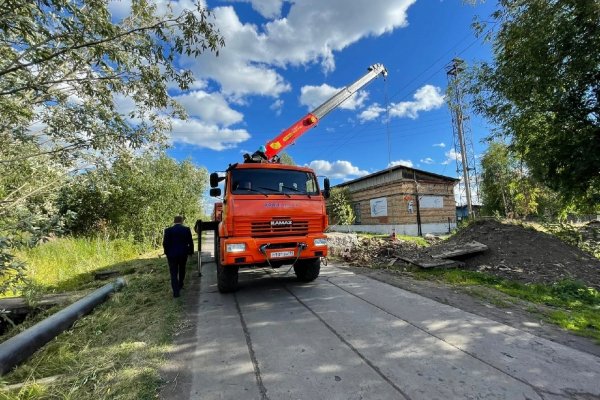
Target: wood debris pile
[[366, 251]]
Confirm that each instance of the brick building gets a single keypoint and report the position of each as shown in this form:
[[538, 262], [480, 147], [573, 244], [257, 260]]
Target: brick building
[[407, 200]]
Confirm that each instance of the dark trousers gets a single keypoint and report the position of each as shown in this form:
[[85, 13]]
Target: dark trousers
[[177, 270]]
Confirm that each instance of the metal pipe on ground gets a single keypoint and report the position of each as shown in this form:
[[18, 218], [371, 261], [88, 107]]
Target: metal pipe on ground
[[18, 348]]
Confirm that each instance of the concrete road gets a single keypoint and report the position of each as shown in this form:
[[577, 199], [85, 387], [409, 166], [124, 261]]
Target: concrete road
[[346, 336]]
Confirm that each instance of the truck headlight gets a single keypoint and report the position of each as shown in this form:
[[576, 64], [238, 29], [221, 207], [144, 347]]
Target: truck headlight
[[320, 242], [236, 247]]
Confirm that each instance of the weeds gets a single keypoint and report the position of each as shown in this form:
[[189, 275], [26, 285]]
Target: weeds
[[65, 264], [113, 352], [587, 239]]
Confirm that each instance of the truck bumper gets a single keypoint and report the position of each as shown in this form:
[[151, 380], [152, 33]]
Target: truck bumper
[[276, 250]]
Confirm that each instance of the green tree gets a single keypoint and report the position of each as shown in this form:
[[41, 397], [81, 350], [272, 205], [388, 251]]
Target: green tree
[[497, 165], [340, 206], [28, 190], [543, 90], [135, 197], [65, 63], [286, 159], [77, 88], [508, 189]]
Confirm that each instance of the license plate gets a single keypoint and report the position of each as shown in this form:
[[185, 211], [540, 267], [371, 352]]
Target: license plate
[[281, 254]]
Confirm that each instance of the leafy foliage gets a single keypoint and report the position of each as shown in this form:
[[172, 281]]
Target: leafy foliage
[[136, 197], [64, 65], [508, 189], [286, 159], [543, 90], [340, 206], [587, 238], [27, 207], [77, 89]]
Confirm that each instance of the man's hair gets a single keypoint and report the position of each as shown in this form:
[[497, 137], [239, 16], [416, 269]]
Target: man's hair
[[178, 219]]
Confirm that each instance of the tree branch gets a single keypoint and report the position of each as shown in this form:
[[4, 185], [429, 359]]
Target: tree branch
[[85, 45], [43, 84], [42, 153]]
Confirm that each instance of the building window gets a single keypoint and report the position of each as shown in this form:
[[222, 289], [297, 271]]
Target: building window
[[357, 219]]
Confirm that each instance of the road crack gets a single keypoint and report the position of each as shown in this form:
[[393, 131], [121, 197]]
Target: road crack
[[261, 387]]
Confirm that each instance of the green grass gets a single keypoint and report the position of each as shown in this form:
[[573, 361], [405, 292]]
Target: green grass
[[67, 263], [570, 304], [416, 239], [116, 351]]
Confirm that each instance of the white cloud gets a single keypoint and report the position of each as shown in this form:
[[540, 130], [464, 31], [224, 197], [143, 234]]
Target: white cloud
[[267, 8], [372, 112], [211, 108], [426, 98], [427, 160], [451, 156], [310, 33], [406, 163], [442, 145], [337, 170], [314, 96], [199, 133]]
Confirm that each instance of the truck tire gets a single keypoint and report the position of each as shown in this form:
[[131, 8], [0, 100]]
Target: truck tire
[[227, 277], [307, 270]]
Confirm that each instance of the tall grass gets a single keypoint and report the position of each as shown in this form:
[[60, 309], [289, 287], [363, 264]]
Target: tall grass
[[116, 351], [66, 263]]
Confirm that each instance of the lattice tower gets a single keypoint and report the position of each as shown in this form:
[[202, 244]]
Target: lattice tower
[[466, 166]]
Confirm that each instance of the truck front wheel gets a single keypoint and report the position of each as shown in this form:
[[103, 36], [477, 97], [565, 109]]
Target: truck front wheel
[[307, 270], [227, 277]]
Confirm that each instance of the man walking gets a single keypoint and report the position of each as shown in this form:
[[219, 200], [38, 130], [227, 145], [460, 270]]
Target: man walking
[[177, 244]]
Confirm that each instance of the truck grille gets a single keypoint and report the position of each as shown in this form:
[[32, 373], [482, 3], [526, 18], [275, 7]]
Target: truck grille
[[266, 228]]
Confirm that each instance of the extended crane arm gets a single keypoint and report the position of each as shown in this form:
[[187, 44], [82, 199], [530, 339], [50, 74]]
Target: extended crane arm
[[310, 120]]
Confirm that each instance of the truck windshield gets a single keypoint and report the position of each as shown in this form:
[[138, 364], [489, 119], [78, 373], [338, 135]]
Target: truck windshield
[[273, 181]]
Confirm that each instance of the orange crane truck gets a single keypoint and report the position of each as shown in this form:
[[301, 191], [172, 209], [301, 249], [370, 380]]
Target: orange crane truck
[[273, 214]]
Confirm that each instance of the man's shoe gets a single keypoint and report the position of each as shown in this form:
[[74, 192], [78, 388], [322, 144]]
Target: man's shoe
[[175, 295]]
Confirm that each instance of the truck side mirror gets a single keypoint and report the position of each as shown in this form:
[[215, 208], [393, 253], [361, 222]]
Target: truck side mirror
[[326, 188], [214, 180], [215, 192]]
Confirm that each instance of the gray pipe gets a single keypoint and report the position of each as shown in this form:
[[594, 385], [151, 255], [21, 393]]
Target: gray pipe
[[18, 348]]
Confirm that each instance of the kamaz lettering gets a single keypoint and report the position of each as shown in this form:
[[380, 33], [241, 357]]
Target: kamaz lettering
[[281, 222]]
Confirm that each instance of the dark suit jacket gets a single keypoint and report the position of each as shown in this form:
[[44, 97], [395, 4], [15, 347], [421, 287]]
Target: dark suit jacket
[[177, 241]]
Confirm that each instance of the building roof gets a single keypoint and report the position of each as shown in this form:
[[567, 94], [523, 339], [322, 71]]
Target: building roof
[[394, 168]]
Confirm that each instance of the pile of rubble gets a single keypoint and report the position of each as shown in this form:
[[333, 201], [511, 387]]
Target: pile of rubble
[[505, 250], [367, 251]]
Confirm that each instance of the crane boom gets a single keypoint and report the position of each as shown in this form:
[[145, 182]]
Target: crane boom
[[310, 120]]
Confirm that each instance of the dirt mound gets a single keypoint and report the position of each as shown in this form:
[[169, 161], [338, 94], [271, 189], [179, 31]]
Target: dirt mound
[[514, 252], [525, 254]]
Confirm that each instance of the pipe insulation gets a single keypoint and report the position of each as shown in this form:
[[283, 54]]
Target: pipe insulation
[[20, 347]]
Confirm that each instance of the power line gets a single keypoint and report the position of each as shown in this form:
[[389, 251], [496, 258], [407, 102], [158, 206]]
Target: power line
[[350, 137]]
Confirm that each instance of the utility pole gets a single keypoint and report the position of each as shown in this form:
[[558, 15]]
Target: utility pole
[[463, 142], [418, 205]]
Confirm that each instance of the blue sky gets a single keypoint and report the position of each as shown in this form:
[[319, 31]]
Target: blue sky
[[282, 58]]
